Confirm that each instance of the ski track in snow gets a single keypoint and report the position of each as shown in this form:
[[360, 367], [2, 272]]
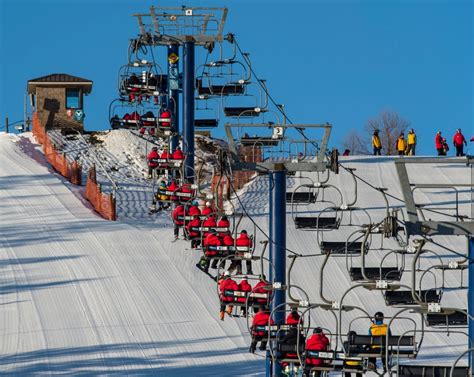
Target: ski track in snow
[[85, 296]]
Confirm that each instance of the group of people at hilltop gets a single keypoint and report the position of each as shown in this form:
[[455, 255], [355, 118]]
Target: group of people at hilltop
[[407, 146]]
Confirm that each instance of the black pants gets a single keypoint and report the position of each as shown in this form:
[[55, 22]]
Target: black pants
[[349, 374], [195, 242], [377, 151], [150, 170], [237, 264], [214, 263], [460, 150], [307, 369], [176, 231], [374, 361], [255, 340], [440, 152], [401, 153]]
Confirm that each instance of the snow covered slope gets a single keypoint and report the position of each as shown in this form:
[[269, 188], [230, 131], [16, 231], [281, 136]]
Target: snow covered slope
[[85, 296]]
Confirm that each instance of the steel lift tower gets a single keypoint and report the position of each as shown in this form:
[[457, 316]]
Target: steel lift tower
[[286, 160], [184, 27]]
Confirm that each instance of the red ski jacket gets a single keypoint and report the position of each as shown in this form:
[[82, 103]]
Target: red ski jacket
[[227, 285], [227, 240], [243, 240], [459, 139], [260, 319], [152, 159], [178, 154], [317, 342], [438, 141], [293, 319], [178, 211], [165, 114], [244, 286], [194, 223], [194, 211]]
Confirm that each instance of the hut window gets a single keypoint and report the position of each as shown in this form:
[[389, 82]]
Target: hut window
[[72, 99]]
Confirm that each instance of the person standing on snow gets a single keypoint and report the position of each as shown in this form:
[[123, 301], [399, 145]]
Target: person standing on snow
[[376, 143], [459, 141], [401, 144], [439, 143], [411, 141], [445, 147]]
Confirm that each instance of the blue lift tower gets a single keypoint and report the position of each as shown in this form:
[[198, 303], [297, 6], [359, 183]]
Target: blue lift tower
[[185, 27]]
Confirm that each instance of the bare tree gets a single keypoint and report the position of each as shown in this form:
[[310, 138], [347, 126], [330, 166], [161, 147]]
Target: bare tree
[[390, 124], [355, 142]]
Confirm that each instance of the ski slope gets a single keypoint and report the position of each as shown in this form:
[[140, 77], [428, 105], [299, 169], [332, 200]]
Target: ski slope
[[84, 296]]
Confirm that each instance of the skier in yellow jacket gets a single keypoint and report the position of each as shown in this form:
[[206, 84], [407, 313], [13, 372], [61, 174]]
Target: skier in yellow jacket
[[376, 143], [411, 142], [401, 145]]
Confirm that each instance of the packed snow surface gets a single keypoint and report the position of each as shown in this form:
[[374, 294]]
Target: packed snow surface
[[85, 296]]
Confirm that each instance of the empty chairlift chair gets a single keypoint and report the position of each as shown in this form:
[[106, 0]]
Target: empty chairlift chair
[[431, 371], [402, 297]]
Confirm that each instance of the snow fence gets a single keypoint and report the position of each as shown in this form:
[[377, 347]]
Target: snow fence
[[58, 160], [103, 203]]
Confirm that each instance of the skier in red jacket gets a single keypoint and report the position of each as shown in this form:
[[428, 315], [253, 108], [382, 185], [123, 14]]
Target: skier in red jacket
[[194, 209], [261, 287], [226, 284], [207, 209], [316, 342], [227, 240], [223, 222], [211, 240], [244, 286], [193, 234], [152, 159], [459, 141], [165, 117], [210, 222], [178, 219], [262, 318], [439, 143], [178, 154], [242, 241], [293, 317]]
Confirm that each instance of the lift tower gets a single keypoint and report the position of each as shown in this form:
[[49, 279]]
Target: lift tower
[[184, 27], [277, 154]]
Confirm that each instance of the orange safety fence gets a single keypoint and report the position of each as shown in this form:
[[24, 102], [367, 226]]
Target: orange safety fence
[[103, 203], [58, 160]]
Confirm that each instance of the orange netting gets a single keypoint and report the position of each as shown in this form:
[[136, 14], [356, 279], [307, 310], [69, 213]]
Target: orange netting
[[71, 171], [104, 204]]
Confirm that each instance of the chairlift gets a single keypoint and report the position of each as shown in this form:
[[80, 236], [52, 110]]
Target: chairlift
[[447, 319], [403, 297], [141, 79], [431, 371], [130, 117]]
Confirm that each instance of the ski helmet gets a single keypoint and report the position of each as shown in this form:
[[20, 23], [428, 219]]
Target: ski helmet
[[378, 316]]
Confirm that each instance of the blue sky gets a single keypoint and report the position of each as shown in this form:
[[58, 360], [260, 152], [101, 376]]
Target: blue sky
[[336, 61]]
